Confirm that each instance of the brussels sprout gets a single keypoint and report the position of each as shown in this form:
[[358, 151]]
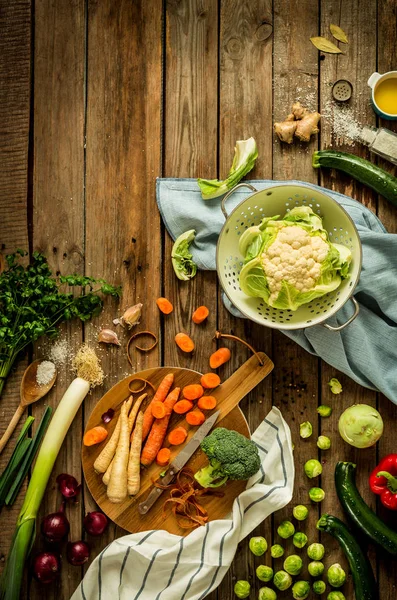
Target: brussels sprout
[[242, 589], [266, 593], [324, 410], [336, 596], [293, 564], [360, 425], [276, 551], [319, 587], [282, 580], [300, 539], [300, 512], [285, 529], [258, 545], [316, 494], [315, 551], [315, 568], [300, 590], [323, 442], [336, 575], [305, 429], [335, 385], [313, 468], [264, 573]]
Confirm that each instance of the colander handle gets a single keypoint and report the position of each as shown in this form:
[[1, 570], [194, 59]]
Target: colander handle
[[354, 315], [240, 185]]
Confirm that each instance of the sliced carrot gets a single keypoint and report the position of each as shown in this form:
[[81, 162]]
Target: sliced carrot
[[210, 381], [195, 417], [193, 391], [207, 402], [182, 407], [220, 357], [200, 314], [96, 435], [163, 457], [159, 396], [177, 436], [184, 342], [164, 305], [159, 430], [158, 410]]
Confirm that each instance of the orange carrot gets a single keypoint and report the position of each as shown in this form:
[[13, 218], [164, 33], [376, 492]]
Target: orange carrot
[[164, 305], [163, 457], [195, 417], [200, 314], [177, 436], [159, 396], [96, 435], [193, 391], [207, 403], [158, 431], [210, 380], [220, 357], [184, 342], [158, 410], [183, 406]]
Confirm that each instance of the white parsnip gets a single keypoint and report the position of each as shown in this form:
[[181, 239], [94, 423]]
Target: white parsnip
[[104, 459], [106, 476], [134, 411], [117, 486], [134, 463]]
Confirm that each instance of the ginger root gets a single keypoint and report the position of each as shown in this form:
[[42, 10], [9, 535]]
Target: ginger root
[[301, 122]]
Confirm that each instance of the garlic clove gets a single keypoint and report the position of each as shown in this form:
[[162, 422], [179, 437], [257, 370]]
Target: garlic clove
[[131, 316], [107, 336]]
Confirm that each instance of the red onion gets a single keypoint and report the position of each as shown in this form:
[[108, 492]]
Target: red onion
[[46, 567], [108, 415], [77, 553], [55, 526], [68, 485], [95, 523]]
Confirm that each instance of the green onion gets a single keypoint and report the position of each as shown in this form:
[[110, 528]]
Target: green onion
[[26, 524], [7, 478], [31, 453]]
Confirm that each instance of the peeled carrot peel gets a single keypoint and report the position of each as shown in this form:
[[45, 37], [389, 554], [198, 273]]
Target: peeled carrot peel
[[145, 383], [96, 435], [184, 342], [200, 314], [219, 335], [164, 305], [133, 337]]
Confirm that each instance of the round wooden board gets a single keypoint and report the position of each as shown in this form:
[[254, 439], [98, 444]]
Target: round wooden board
[[126, 514]]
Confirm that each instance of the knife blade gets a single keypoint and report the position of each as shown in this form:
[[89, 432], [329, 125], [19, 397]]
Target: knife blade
[[179, 462]]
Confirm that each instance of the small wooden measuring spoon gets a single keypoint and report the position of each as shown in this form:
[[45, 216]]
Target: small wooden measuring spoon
[[30, 392]]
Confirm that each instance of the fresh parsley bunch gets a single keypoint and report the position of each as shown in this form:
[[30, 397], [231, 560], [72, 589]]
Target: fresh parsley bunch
[[33, 303]]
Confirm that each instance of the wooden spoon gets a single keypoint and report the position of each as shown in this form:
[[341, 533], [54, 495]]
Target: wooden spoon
[[30, 392]]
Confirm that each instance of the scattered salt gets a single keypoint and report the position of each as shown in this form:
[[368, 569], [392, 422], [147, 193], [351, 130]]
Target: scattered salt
[[345, 128], [45, 372], [59, 352]]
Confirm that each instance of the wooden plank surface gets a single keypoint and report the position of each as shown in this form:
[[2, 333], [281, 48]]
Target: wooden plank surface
[[124, 92], [15, 55]]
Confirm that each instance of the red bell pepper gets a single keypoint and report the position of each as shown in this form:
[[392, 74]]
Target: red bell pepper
[[383, 481]]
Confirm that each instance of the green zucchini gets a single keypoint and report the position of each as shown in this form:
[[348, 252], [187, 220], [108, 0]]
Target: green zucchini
[[359, 512], [364, 582], [381, 181]]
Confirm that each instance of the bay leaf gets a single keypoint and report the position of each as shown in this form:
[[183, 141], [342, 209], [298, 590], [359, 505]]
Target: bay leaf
[[339, 34], [325, 45]]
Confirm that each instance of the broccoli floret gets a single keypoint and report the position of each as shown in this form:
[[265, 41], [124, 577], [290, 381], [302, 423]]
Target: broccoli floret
[[231, 456]]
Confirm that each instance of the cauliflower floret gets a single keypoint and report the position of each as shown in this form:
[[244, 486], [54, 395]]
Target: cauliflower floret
[[294, 257]]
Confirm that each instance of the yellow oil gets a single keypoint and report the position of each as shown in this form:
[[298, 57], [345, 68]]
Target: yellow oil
[[386, 95]]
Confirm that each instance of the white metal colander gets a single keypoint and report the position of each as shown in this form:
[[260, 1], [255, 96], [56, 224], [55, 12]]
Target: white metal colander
[[278, 200]]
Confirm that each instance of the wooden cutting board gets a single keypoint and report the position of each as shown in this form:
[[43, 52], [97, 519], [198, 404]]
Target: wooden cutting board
[[228, 395]]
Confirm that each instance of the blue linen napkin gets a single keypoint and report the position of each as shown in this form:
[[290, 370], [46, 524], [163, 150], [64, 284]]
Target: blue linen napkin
[[366, 350]]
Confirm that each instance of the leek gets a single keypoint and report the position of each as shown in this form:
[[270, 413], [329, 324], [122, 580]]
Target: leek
[[87, 364]]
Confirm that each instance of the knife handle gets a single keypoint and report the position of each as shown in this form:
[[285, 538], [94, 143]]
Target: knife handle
[[156, 492]]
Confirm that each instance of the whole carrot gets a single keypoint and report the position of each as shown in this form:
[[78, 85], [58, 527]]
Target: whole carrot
[[160, 396], [158, 431]]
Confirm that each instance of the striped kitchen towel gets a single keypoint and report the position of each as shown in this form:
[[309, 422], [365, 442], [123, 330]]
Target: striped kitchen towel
[[156, 565]]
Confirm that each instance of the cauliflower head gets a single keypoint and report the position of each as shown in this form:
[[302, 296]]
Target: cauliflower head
[[290, 261]]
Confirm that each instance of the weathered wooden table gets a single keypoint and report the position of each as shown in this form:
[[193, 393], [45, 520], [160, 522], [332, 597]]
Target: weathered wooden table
[[98, 98]]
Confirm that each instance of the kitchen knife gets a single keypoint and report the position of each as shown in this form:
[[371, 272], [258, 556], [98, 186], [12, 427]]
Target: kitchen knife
[[179, 462]]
